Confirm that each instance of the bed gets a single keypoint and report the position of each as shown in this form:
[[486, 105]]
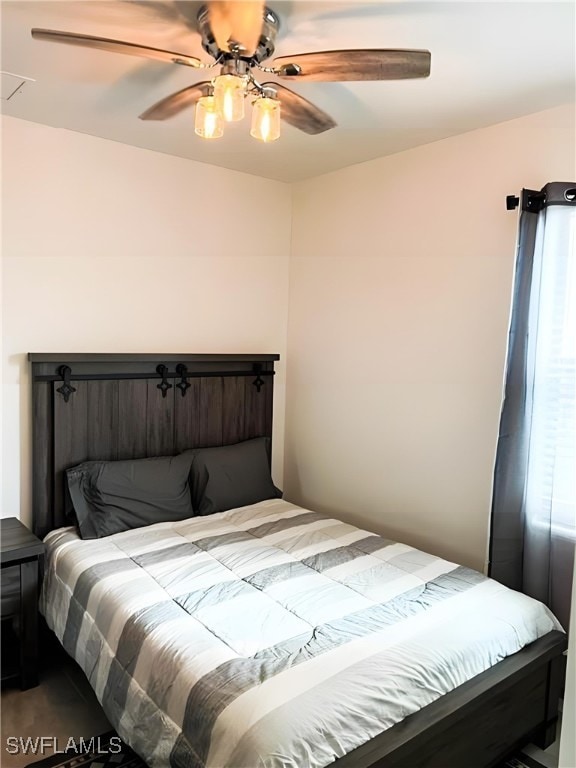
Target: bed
[[367, 652]]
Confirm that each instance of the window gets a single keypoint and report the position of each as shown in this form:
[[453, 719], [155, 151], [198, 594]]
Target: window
[[551, 480]]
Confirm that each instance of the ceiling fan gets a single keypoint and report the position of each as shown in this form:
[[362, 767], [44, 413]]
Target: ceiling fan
[[240, 35]]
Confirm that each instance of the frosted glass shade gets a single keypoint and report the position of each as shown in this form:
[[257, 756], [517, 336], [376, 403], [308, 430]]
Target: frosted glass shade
[[208, 122], [266, 119], [229, 93]]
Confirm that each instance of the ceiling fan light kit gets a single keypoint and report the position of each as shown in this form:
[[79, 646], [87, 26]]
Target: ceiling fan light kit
[[225, 104], [235, 81], [230, 89], [239, 36]]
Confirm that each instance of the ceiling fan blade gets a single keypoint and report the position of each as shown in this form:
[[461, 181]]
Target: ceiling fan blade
[[300, 112], [366, 64], [115, 46], [176, 102], [236, 21]]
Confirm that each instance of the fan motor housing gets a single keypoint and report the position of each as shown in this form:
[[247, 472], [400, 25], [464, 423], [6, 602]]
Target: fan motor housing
[[265, 48]]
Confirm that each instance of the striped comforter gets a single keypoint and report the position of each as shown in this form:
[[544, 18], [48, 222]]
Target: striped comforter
[[271, 636]]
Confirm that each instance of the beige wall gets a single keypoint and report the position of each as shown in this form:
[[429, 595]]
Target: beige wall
[[400, 286], [399, 296], [112, 248]]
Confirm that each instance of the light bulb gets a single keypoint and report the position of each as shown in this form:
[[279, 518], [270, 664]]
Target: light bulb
[[208, 122], [229, 93], [266, 119]]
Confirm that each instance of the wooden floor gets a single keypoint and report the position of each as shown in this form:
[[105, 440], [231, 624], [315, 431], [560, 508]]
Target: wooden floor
[[64, 706]]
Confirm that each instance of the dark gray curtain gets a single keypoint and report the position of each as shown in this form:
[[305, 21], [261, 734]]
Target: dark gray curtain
[[532, 523]]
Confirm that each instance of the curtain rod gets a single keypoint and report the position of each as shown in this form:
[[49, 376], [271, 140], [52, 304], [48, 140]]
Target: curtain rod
[[553, 193]]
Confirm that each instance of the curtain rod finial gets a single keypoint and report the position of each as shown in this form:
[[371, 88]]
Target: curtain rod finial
[[512, 202]]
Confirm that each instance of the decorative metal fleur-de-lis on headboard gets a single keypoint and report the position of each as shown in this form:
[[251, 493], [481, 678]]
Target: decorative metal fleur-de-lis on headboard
[[258, 381], [164, 385], [183, 384], [66, 389]]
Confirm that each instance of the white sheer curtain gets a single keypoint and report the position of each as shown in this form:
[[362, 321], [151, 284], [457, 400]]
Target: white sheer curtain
[[550, 501]]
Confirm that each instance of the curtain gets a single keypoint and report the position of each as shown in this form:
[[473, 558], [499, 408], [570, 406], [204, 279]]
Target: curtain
[[533, 523]]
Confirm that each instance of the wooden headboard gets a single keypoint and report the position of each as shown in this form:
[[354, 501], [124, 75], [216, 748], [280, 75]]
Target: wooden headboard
[[99, 406]]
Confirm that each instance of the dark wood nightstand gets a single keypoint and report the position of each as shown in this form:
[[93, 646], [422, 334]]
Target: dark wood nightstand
[[20, 554]]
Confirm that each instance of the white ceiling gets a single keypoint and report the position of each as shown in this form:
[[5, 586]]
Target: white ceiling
[[491, 62]]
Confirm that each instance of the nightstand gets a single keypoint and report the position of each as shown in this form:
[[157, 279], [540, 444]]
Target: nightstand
[[20, 554]]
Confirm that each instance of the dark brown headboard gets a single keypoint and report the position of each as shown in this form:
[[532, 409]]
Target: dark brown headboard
[[98, 406]]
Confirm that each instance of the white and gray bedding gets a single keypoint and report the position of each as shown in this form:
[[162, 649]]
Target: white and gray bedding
[[271, 636]]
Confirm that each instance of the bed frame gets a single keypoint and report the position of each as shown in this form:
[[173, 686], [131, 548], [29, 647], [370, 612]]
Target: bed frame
[[96, 406]]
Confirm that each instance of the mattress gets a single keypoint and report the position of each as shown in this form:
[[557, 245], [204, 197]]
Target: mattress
[[271, 636]]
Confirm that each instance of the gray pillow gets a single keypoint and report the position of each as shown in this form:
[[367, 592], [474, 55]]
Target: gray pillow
[[231, 476], [114, 496]]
